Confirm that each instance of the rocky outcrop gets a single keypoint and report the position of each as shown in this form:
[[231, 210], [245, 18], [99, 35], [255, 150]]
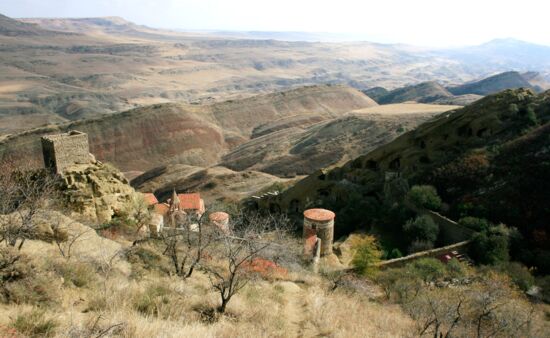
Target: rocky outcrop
[[96, 191]]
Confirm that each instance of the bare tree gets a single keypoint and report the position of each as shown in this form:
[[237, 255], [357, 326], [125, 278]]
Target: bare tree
[[251, 237], [186, 243], [489, 308], [24, 192]]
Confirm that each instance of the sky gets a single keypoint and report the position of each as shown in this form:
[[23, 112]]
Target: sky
[[436, 23]]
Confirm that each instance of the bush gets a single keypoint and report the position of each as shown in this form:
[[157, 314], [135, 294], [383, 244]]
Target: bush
[[424, 196], [367, 255], [145, 258], [474, 223], [21, 283], [455, 268], [394, 253], [399, 284], [531, 116], [428, 269], [35, 324], [76, 273], [513, 109], [418, 246], [490, 247], [150, 301], [520, 275], [422, 228]]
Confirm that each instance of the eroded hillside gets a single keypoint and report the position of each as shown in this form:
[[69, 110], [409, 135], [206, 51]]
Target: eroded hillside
[[299, 149], [147, 137]]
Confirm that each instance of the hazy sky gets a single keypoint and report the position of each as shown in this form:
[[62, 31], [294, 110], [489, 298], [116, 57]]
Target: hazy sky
[[420, 22]]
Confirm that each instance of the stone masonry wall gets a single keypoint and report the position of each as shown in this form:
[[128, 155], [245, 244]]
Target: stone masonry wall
[[461, 247], [63, 150]]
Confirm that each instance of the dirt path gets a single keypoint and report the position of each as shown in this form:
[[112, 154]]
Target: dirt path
[[295, 309]]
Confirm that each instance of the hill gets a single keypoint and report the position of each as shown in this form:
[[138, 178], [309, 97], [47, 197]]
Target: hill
[[105, 65], [494, 84], [13, 28], [424, 92], [144, 138], [292, 149], [376, 93], [214, 183], [488, 159]]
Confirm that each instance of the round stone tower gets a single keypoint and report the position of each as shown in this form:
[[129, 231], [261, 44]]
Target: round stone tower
[[220, 219], [318, 223]]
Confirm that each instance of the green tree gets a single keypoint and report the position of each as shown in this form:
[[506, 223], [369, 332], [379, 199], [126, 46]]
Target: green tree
[[474, 223], [531, 116], [395, 253], [422, 228], [424, 196], [367, 255], [491, 246], [513, 108]]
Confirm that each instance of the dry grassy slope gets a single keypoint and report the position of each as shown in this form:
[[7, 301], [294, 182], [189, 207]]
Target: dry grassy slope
[[147, 137], [325, 101], [304, 149], [214, 183], [140, 299]]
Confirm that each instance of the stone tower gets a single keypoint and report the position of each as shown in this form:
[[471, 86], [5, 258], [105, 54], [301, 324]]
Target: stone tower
[[63, 150], [318, 223]]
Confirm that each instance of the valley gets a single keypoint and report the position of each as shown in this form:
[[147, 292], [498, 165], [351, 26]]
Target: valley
[[211, 183], [97, 66]]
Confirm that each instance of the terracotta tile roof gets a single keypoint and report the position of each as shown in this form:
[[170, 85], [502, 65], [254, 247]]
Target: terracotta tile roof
[[162, 208], [320, 215], [150, 198], [190, 201]]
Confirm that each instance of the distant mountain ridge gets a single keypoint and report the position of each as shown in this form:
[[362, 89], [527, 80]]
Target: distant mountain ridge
[[494, 84], [492, 55], [434, 92], [56, 70], [12, 27]]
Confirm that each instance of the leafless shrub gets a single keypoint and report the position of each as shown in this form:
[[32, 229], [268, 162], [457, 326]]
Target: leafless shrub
[[64, 239], [251, 236], [24, 192], [186, 244], [490, 308]]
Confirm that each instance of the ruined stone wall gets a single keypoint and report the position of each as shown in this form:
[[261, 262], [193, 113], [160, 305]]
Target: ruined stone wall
[[449, 230], [461, 247], [63, 150]]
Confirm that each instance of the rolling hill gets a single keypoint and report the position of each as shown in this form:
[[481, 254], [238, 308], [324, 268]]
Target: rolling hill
[[424, 92], [144, 138], [302, 149], [214, 183], [496, 83], [59, 70]]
